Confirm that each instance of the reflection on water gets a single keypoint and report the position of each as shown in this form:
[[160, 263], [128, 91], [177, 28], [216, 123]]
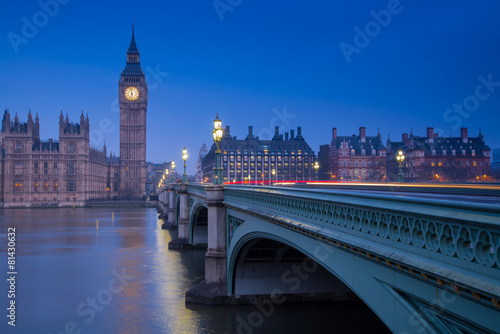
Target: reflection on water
[[121, 278]]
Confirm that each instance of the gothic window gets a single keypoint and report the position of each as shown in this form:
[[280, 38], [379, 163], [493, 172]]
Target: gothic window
[[356, 163], [71, 147], [55, 186], [35, 168], [373, 152], [71, 168], [18, 167], [363, 164], [46, 186], [55, 168], [473, 153], [363, 152], [72, 185], [45, 168], [35, 187], [453, 152], [344, 163], [444, 153], [19, 146]]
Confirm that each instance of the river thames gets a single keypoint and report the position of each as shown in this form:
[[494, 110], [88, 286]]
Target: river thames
[[121, 278]]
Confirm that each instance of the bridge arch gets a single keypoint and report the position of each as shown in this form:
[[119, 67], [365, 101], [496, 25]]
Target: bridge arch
[[405, 304], [177, 211], [198, 223]]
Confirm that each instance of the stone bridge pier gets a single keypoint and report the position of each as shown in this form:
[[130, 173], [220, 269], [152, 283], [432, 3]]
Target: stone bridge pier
[[213, 290], [163, 205], [182, 240]]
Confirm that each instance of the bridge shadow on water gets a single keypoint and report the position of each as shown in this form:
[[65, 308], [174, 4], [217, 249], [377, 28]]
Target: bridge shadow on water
[[301, 312]]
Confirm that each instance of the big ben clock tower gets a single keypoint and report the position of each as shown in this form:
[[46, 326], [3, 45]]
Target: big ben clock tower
[[133, 99]]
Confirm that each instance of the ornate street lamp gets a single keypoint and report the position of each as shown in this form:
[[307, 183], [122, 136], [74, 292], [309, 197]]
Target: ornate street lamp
[[316, 167], [184, 157], [400, 158], [217, 134], [173, 171]]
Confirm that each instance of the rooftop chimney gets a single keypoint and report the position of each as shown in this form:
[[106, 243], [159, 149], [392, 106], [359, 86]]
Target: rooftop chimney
[[405, 139], [250, 132], [464, 135], [277, 133], [292, 134], [362, 134], [334, 133], [286, 135], [227, 134], [430, 134]]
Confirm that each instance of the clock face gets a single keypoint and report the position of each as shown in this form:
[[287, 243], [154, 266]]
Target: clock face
[[132, 93]]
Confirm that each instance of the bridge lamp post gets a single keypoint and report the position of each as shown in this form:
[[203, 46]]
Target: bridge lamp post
[[274, 175], [172, 165], [166, 175], [217, 134], [400, 158], [316, 167], [184, 157]]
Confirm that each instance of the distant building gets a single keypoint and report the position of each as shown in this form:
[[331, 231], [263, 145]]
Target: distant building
[[357, 158], [495, 164], [198, 166], [159, 170], [254, 160], [324, 163], [441, 159]]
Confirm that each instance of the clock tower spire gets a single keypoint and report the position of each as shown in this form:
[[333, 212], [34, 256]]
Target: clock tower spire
[[133, 101]]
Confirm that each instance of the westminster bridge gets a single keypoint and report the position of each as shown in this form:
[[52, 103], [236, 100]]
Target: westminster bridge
[[424, 258]]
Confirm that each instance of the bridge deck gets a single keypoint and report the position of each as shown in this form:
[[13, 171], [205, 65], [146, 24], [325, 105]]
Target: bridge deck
[[467, 193]]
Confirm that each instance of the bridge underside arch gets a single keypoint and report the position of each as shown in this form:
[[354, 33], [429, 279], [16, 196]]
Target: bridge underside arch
[[266, 258], [267, 266], [198, 225]]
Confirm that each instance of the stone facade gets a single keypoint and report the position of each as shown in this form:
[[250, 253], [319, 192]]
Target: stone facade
[[357, 158], [133, 99], [69, 171], [64, 172], [432, 158], [428, 158]]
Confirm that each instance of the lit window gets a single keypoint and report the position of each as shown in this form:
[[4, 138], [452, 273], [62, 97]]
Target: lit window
[[18, 186]]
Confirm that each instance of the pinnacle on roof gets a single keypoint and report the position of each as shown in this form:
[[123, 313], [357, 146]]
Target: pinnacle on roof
[[132, 49]]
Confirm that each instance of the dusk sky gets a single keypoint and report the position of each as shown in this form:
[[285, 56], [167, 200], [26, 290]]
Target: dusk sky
[[260, 63]]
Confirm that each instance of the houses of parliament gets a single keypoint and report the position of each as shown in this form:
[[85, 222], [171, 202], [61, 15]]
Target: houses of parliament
[[69, 171]]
